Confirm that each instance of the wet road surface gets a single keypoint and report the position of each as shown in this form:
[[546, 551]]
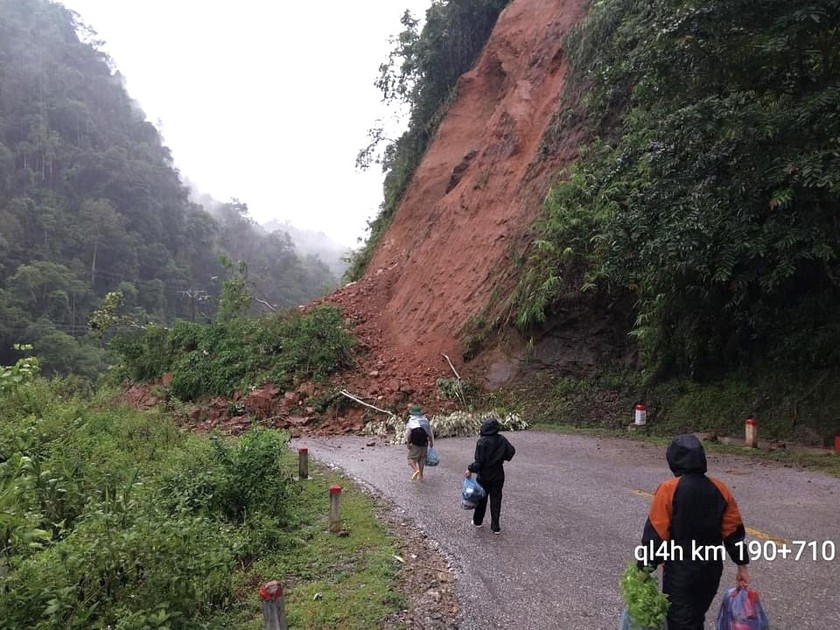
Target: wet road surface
[[572, 514]]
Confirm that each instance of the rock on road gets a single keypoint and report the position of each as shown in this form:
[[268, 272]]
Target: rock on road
[[572, 514]]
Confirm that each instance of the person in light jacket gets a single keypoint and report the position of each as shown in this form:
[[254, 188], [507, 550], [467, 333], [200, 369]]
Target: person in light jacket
[[492, 450], [419, 437]]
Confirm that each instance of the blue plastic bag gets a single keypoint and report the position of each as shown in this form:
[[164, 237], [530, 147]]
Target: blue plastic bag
[[432, 458], [741, 610], [471, 493]]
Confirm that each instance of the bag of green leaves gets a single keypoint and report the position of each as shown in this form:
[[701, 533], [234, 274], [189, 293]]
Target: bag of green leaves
[[645, 606]]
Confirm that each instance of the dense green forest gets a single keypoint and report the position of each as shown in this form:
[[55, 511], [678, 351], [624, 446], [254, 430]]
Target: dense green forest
[[90, 203], [708, 197]]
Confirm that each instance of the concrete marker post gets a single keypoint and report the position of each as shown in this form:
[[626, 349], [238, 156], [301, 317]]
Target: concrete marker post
[[640, 415], [335, 509], [751, 433], [274, 611], [303, 463]]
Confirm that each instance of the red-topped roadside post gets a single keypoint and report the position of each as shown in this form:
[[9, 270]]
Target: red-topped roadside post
[[303, 463], [751, 433], [837, 444], [640, 415], [274, 613], [335, 509]]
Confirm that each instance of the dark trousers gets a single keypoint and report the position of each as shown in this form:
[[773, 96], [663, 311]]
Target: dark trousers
[[493, 488], [691, 587]]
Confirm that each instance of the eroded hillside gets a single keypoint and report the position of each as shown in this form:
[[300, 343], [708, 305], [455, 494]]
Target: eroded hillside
[[466, 214]]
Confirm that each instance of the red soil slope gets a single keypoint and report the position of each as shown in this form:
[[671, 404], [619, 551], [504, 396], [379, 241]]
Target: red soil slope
[[467, 210]]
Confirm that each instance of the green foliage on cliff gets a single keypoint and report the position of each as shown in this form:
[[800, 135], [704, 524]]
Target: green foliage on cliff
[[710, 190]]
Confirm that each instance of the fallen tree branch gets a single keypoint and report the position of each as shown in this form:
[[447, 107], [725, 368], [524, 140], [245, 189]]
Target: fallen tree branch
[[263, 301], [459, 385], [344, 392], [458, 376], [266, 304]]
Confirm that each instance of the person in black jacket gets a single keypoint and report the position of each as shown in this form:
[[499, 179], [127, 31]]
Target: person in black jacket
[[491, 452], [696, 517]]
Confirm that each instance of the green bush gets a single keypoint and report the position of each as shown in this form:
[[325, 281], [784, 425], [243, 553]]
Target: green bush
[[137, 562], [145, 354], [24, 370], [231, 480], [239, 353], [112, 517]]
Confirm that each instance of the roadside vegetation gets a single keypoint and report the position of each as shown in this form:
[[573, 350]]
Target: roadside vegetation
[[237, 353], [799, 406], [113, 517]]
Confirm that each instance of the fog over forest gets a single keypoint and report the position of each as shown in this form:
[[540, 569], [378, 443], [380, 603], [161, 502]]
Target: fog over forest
[[92, 205]]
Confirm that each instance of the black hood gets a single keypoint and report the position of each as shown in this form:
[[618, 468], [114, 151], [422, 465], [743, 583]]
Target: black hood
[[686, 455], [489, 427]]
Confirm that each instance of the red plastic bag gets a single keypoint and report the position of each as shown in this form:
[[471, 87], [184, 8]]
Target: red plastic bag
[[741, 610]]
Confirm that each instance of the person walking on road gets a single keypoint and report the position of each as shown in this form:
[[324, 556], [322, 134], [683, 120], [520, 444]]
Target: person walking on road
[[492, 450], [418, 437], [695, 516]]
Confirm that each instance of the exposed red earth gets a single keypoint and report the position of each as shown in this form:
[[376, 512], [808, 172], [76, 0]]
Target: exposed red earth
[[465, 216]]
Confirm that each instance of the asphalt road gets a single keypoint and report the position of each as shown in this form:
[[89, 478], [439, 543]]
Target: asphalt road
[[572, 515]]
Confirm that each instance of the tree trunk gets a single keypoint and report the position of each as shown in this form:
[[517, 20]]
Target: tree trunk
[[93, 265]]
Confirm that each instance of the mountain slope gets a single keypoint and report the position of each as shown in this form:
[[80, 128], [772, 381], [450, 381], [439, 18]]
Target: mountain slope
[[465, 215]]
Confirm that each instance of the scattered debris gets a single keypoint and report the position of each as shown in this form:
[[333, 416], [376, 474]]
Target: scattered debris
[[455, 424]]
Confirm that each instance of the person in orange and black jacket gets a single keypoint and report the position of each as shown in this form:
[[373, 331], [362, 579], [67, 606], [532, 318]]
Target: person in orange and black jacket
[[491, 452], [694, 512]]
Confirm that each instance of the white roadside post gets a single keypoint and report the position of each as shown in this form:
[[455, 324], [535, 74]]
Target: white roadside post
[[751, 432]]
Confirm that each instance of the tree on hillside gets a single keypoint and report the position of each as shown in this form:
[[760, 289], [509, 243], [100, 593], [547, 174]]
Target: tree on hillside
[[99, 227], [46, 289]]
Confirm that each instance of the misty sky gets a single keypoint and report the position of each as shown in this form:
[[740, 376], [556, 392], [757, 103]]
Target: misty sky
[[268, 102]]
